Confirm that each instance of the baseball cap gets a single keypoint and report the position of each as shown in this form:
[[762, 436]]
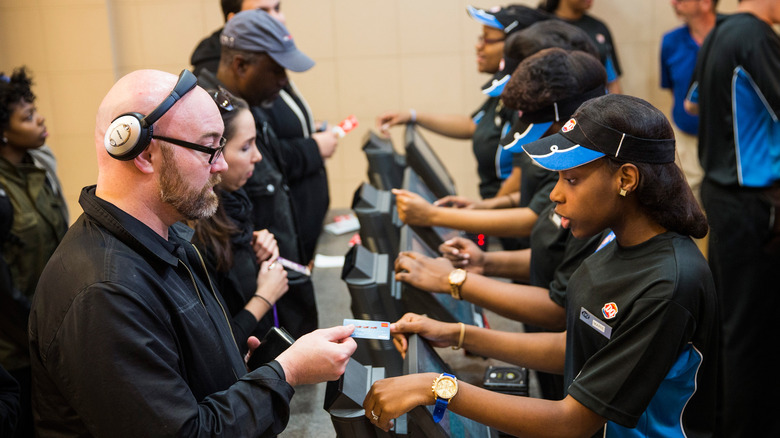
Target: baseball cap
[[532, 126], [256, 31], [583, 140]]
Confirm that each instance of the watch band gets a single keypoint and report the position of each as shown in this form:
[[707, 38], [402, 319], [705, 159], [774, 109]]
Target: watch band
[[441, 403], [455, 291]]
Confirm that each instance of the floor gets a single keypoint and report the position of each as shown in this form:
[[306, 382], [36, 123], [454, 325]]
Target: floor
[[308, 417]]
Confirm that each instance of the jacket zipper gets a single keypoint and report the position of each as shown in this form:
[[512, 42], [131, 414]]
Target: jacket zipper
[[197, 290]]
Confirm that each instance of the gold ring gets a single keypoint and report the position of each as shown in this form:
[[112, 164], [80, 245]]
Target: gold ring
[[271, 266]]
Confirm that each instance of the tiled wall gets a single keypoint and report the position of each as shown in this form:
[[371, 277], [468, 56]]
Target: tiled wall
[[371, 56]]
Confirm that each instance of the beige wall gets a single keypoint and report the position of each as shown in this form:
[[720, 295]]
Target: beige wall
[[371, 56]]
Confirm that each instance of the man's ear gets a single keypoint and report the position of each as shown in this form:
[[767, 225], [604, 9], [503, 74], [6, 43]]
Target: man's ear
[[144, 160], [240, 64], [628, 175]]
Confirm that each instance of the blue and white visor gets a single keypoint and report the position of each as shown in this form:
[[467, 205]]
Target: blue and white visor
[[582, 141], [523, 132], [495, 87], [486, 17]]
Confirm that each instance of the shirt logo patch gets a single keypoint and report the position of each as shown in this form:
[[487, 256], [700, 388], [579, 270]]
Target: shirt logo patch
[[609, 310], [569, 125]]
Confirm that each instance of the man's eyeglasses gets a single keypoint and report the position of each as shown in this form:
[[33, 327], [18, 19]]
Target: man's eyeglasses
[[486, 41], [214, 153], [222, 97]]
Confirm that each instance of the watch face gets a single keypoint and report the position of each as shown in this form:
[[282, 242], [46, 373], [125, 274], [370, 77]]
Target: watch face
[[446, 388], [457, 276]]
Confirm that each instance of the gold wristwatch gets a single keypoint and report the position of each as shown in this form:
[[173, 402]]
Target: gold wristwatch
[[444, 389], [457, 277]]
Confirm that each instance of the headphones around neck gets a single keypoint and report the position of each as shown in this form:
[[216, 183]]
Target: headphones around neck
[[130, 133]]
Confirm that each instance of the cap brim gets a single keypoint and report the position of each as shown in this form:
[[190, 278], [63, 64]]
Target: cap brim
[[556, 152], [484, 17], [293, 60], [523, 132], [495, 87]]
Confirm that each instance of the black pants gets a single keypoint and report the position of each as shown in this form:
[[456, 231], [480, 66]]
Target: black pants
[[297, 309], [747, 281], [24, 424]]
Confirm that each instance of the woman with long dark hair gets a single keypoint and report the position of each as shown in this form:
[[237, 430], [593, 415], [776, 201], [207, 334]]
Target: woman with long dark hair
[[240, 260]]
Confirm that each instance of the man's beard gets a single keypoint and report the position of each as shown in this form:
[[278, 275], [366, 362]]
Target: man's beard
[[175, 191]]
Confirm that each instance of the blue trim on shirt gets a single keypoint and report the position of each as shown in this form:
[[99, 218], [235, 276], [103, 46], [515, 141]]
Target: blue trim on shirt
[[663, 416], [504, 158], [756, 129]]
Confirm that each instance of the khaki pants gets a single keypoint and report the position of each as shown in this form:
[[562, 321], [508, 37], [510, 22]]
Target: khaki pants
[[688, 160]]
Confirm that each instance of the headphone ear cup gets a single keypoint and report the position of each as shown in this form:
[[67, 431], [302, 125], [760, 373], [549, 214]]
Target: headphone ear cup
[[127, 136]]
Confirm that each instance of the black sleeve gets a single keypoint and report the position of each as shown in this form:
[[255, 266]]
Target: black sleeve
[[9, 403], [301, 158], [129, 348], [763, 63], [243, 323]]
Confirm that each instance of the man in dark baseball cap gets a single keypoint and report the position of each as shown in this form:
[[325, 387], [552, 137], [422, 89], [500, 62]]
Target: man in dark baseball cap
[[257, 31], [256, 52]]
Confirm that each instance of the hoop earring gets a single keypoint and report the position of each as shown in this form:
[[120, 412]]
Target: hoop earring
[[622, 192]]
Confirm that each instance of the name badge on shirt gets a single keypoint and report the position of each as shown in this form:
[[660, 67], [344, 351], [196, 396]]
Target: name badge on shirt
[[595, 323]]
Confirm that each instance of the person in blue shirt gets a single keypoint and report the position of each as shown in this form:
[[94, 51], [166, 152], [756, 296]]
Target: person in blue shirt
[[679, 48], [736, 87]]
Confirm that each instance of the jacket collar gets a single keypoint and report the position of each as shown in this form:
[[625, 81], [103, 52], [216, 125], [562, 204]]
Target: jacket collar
[[133, 232]]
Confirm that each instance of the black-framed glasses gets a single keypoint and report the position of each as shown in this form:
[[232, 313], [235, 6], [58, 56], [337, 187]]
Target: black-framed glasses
[[223, 99], [214, 153]]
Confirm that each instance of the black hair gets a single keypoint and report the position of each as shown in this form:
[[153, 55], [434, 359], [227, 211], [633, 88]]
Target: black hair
[[231, 6], [662, 191], [552, 75], [228, 117], [547, 34], [214, 233], [549, 5], [526, 17], [14, 90]]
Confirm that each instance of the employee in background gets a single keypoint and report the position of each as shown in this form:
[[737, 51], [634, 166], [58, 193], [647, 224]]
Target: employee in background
[[575, 12]]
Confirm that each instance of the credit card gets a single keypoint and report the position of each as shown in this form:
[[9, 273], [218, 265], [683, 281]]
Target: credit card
[[365, 329], [294, 266]]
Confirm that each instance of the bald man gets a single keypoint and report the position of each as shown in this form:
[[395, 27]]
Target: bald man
[[128, 338]]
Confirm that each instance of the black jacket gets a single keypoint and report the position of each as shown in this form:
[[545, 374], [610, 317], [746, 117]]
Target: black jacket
[[290, 118], [238, 284], [291, 121], [274, 210], [128, 338], [206, 54]]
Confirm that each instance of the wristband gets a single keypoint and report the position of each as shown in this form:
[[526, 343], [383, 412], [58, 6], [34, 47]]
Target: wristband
[[263, 298]]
